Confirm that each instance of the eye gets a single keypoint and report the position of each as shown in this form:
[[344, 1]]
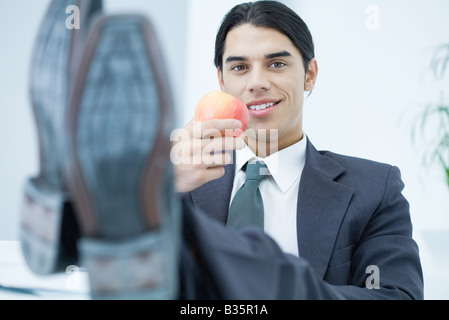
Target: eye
[[277, 65], [239, 67]]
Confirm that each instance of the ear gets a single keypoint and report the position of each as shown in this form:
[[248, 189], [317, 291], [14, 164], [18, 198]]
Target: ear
[[311, 75], [220, 79]]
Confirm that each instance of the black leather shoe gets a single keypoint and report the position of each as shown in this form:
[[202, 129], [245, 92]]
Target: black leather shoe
[[48, 229], [118, 165]]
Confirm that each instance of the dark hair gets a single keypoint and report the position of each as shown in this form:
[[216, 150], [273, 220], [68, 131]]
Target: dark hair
[[270, 14]]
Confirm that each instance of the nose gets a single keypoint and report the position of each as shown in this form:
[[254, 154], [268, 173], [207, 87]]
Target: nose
[[258, 80]]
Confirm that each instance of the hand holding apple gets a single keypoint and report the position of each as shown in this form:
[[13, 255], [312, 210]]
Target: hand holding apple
[[221, 105], [200, 159]]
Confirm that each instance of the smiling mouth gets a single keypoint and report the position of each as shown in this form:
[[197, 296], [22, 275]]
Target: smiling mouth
[[263, 106]]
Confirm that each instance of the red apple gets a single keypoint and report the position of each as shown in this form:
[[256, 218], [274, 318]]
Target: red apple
[[221, 105]]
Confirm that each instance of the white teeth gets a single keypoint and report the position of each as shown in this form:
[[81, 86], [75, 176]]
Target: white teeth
[[262, 106]]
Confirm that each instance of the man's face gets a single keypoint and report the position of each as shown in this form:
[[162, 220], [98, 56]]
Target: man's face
[[263, 68]]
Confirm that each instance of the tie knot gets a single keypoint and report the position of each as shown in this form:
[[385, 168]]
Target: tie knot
[[256, 171]]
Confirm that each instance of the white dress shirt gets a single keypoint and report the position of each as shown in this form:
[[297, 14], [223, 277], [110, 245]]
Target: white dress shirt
[[279, 190]]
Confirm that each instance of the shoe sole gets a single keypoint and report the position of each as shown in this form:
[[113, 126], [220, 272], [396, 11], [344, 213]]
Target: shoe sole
[[118, 166], [48, 87], [48, 229]]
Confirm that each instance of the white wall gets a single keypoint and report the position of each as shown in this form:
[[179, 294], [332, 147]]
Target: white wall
[[372, 84]]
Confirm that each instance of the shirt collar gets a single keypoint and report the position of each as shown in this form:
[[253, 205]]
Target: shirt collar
[[285, 166]]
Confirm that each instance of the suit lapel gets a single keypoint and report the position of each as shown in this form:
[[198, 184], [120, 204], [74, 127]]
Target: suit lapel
[[213, 197], [322, 204]]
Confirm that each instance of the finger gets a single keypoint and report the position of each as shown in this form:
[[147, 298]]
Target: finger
[[189, 125], [211, 160], [222, 144], [206, 160], [213, 128], [188, 180]]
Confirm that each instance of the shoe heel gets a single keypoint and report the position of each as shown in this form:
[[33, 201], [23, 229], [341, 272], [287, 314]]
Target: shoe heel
[[135, 269], [143, 267], [48, 229]]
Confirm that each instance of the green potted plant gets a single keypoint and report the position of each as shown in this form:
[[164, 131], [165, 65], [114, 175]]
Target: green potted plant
[[435, 116]]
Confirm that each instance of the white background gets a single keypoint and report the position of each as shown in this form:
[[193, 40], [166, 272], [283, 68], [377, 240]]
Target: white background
[[373, 83]]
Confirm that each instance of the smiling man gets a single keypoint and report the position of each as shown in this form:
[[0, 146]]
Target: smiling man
[[324, 226], [270, 82]]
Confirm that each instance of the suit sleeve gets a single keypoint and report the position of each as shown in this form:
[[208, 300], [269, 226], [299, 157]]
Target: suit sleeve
[[388, 247]]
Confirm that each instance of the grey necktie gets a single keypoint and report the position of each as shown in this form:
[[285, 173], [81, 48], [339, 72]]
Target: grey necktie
[[247, 206]]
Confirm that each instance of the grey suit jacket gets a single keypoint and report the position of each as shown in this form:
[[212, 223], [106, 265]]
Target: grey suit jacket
[[351, 216]]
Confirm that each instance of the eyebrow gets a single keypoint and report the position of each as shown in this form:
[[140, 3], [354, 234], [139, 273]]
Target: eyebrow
[[268, 56], [278, 54]]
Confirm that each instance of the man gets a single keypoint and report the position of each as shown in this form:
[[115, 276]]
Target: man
[[340, 216], [328, 226]]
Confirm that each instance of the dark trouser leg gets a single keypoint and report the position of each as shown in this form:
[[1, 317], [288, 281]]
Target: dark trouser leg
[[247, 264]]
